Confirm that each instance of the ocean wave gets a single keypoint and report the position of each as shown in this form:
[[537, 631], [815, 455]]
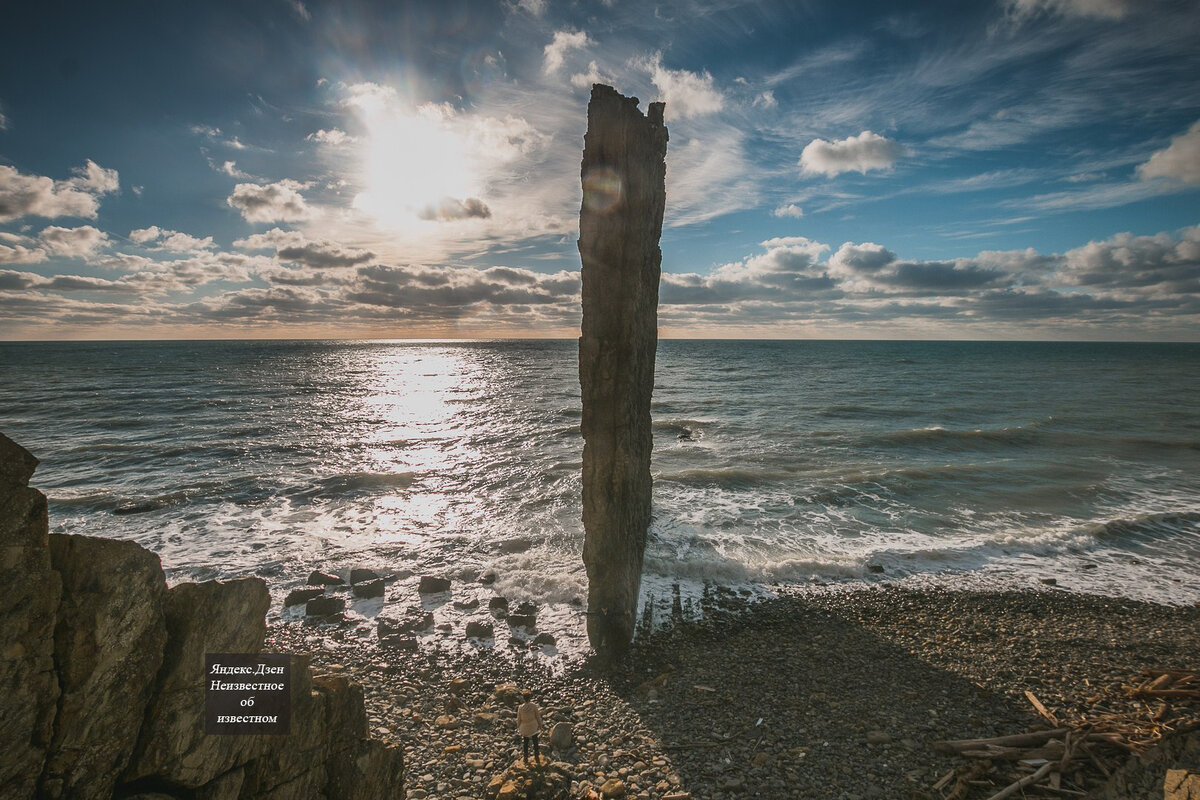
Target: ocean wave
[[351, 483], [723, 477], [1143, 527], [935, 435]]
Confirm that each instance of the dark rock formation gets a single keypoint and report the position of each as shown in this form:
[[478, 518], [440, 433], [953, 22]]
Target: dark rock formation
[[362, 574], [372, 588], [28, 603], [109, 646], [318, 578], [297, 596], [432, 584], [624, 194], [480, 630], [324, 606], [94, 617], [210, 617]]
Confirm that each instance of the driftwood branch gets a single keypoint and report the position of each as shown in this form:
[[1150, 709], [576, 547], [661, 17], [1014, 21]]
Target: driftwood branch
[[1028, 780]]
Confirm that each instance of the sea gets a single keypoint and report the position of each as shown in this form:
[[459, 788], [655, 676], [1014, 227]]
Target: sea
[[777, 464]]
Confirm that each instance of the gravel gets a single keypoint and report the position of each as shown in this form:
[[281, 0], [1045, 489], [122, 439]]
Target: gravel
[[832, 695]]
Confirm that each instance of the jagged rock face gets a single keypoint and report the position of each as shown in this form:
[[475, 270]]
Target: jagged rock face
[[94, 616], [28, 603], [210, 617], [624, 194], [108, 643]]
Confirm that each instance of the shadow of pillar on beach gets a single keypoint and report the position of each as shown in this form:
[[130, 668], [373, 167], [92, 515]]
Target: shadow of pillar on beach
[[775, 704]]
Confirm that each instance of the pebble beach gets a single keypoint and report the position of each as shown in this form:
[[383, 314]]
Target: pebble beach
[[805, 695]]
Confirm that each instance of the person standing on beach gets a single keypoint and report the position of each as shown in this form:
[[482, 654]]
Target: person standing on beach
[[529, 724]]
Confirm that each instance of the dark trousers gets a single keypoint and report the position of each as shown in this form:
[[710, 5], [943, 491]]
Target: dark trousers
[[525, 740]]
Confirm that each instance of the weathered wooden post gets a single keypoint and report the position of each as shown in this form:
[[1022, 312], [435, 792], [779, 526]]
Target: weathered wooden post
[[624, 193]]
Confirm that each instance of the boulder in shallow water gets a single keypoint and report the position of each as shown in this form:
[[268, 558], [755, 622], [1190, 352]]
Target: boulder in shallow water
[[432, 584], [297, 596], [108, 646], [324, 606], [363, 574], [411, 621], [368, 589], [318, 578]]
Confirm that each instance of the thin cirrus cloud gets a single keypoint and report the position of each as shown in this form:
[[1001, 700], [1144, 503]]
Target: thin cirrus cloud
[[861, 153], [1104, 9]]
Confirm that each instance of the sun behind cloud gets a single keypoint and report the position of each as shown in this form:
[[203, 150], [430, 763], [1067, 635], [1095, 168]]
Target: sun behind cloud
[[412, 161]]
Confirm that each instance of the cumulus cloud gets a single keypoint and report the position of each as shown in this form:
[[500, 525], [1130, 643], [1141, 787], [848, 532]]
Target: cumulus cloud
[[687, 94], [81, 242], [229, 168], [274, 202], [562, 43], [293, 246], [449, 208], [1163, 264], [451, 288], [18, 249], [585, 80], [174, 241], [789, 210], [1179, 161], [38, 196], [860, 153], [1149, 284], [334, 137], [856, 259]]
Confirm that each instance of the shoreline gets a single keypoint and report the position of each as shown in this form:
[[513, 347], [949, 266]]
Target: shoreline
[[850, 687]]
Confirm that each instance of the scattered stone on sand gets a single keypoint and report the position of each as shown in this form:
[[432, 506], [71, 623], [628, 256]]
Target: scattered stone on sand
[[371, 588], [297, 596], [480, 630], [318, 578], [363, 574], [545, 780], [324, 606], [432, 584], [562, 736]]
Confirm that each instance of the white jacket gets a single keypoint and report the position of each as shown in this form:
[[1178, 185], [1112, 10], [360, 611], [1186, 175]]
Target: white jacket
[[529, 719]]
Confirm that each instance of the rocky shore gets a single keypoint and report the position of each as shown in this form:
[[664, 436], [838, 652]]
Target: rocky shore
[[829, 695]]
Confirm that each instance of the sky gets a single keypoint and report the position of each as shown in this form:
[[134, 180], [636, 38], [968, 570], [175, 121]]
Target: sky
[[1013, 169]]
